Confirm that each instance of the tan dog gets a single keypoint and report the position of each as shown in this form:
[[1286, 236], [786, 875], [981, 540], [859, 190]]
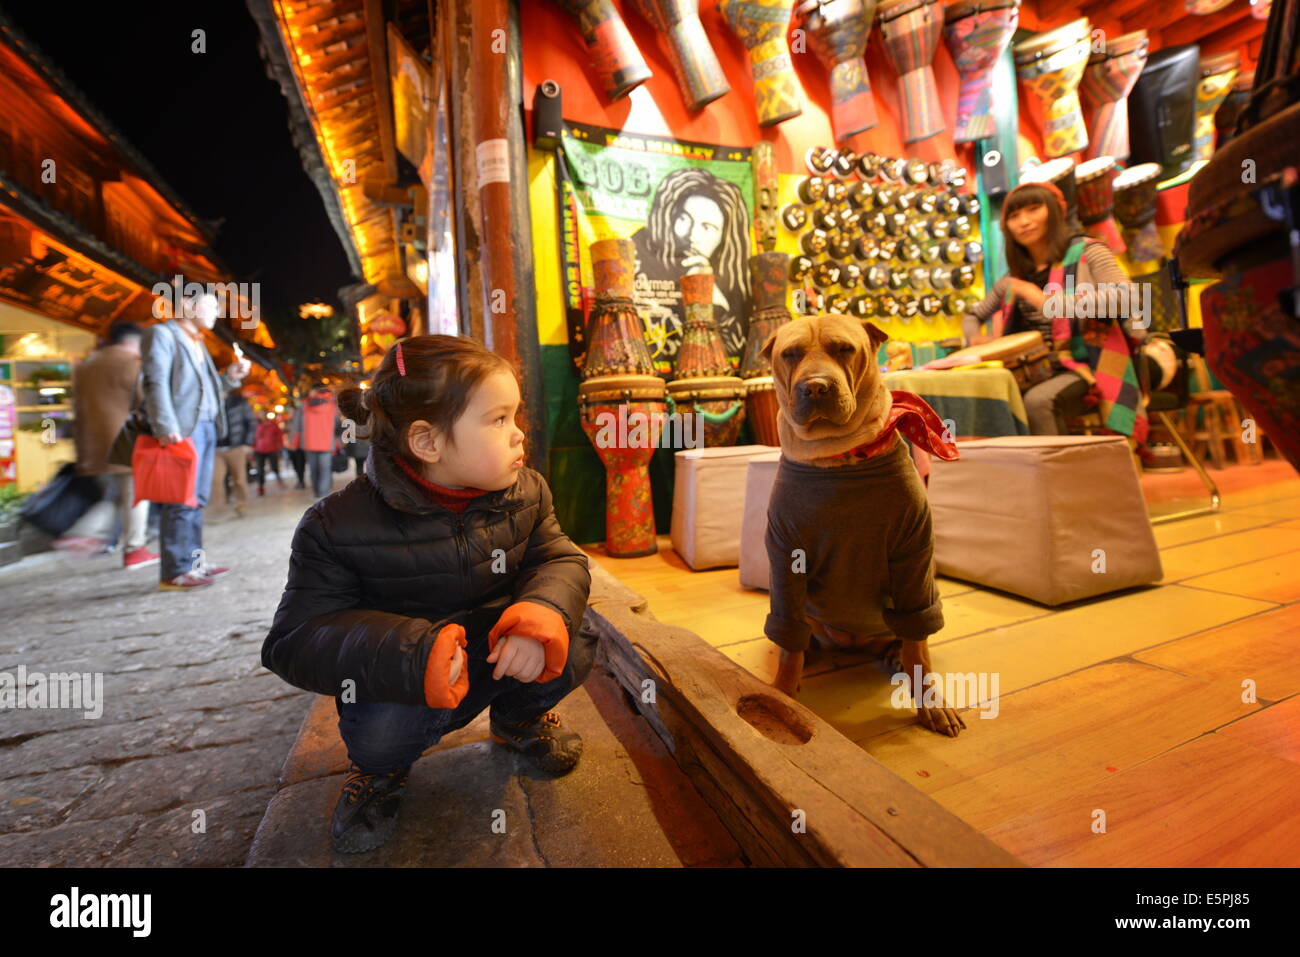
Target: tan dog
[[832, 402]]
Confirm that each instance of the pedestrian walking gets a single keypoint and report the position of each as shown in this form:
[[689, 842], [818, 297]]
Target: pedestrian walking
[[268, 442], [320, 428], [105, 388], [231, 457]]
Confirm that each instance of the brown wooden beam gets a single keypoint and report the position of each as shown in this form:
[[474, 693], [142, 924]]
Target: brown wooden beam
[[1191, 28], [387, 193], [377, 42]]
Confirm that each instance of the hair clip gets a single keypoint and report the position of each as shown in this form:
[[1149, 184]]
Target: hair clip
[[401, 363]]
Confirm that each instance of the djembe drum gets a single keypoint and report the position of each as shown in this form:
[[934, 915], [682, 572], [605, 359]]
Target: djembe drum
[[621, 401], [1060, 173], [976, 32], [1094, 181], [614, 54], [1217, 76], [1135, 208], [1104, 91], [1050, 66], [699, 75], [910, 30], [761, 26], [837, 32], [704, 386], [767, 277]]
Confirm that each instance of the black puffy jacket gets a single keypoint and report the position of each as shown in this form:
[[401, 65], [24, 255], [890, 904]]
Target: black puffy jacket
[[377, 569]]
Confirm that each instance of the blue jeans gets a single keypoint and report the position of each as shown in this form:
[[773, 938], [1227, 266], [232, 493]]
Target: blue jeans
[[180, 529], [385, 736], [321, 466]]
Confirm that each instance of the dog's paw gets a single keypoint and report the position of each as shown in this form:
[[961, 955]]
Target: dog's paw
[[943, 721]]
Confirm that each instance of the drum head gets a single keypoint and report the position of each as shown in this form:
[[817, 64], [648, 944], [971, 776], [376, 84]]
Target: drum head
[[760, 383], [1220, 63], [705, 388], [619, 388], [1122, 46], [965, 8], [1045, 44], [1091, 169], [1138, 175], [1053, 171]]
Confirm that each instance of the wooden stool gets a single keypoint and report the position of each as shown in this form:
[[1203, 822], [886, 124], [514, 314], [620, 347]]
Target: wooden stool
[[1215, 419]]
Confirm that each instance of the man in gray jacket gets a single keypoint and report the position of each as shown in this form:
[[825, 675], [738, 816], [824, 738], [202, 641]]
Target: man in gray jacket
[[183, 398]]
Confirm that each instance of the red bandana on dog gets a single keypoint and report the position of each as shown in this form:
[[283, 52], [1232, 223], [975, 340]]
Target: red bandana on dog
[[911, 415]]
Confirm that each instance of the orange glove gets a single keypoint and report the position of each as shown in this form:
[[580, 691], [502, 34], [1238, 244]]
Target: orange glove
[[438, 692], [541, 623]]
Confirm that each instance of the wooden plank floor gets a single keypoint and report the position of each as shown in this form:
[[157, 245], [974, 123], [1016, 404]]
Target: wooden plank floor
[[1159, 727]]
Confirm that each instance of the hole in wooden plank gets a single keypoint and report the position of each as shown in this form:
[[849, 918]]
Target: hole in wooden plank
[[774, 719]]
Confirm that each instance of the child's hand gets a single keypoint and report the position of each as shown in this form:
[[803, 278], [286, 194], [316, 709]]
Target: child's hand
[[457, 663], [518, 657]]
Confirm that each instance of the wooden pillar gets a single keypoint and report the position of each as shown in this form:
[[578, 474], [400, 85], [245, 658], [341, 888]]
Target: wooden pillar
[[509, 302]]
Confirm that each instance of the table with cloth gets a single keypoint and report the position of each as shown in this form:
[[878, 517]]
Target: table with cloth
[[982, 403]]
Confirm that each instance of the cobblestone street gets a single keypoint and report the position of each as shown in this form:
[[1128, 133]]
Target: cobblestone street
[[191, 721]]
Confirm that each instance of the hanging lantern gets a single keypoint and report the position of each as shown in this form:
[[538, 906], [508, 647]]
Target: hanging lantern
[[387, 324]]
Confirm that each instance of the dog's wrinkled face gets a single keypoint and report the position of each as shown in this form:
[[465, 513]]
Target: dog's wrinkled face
[[823, 367]]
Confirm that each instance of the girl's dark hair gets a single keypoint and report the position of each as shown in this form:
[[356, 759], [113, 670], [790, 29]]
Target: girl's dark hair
[[441, 374], [1019, 262]]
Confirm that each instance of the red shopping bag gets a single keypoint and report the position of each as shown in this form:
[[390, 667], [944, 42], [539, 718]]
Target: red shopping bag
[[165, 475]]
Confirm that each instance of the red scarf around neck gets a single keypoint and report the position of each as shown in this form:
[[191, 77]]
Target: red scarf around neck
[[912, 416], [456, 499]]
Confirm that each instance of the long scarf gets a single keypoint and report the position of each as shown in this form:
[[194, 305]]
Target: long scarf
[[912, 416], [1095, 348]]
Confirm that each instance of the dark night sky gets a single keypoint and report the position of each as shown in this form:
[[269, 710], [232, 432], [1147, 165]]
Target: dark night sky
[[213, 125]]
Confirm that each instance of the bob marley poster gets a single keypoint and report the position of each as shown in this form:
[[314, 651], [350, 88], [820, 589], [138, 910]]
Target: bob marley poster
[[685, 206]]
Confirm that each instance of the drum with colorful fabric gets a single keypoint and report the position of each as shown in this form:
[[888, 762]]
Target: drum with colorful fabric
[[1094, 181], [837, 32], [1024, 354], [699, 75], [1104, 90], [976, 32], [1237, 232], [761, 407], [1060, 173], [1135, 208], [1217, 76], [1050, 66], [719, 401], [619, 399], [624, 416], [761, 26], [910, 30], [614, 55], [703, 381]]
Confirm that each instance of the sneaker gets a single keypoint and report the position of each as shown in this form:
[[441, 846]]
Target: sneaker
[[543, 740], [261, 490], [140, 558], [366, 814], [212, 571], [184, 582]]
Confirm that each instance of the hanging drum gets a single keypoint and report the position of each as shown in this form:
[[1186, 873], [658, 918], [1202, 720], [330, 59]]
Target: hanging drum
[[910, 30], [1135, 208], [1095, 193], [1050, 66], [1217, 76], [614, 54], [699, 75], [837, 32], [761, 26], [705, 390], [976, 33], [1104, 91], [620, 401]]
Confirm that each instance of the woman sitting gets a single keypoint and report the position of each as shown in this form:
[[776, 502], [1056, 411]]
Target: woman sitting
[[1090, 354]]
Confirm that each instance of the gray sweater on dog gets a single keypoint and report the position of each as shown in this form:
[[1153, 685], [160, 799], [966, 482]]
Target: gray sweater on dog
[[866, 564]]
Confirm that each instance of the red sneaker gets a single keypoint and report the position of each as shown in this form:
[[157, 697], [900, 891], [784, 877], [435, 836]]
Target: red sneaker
[[83, 545], [184, 582], [212, 571], [139, 558]]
